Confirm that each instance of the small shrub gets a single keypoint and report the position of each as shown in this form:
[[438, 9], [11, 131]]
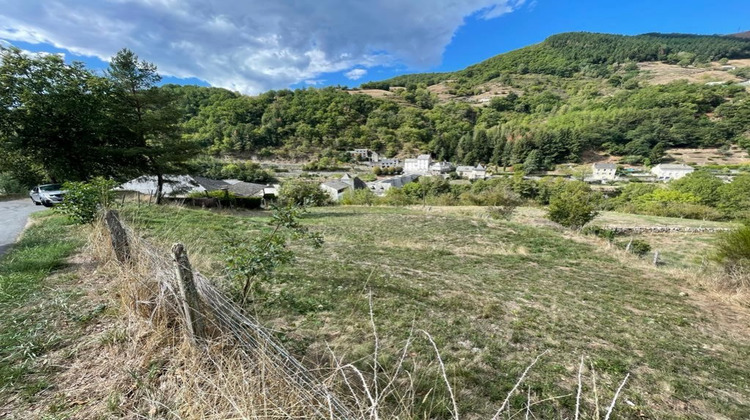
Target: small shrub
[[600, 232], [358, 197], [84, 200], [250, 263], [573, 206], [733, 249], [638, 247]]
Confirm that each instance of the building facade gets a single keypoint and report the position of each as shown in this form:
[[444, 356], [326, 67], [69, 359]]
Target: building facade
[[670, 171], [603, 171], [420, 165]]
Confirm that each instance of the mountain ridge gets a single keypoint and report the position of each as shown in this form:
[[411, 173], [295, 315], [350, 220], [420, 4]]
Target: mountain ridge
[[566, 54]]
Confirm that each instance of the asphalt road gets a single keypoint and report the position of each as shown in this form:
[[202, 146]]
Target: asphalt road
[[13, 216]]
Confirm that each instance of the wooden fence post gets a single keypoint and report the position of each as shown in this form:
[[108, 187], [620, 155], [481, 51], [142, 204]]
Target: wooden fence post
[[656, 258], [118, 235], [190, 300]]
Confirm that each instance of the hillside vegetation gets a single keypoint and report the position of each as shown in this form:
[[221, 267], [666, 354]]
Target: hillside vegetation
[[573, 92], [569, 53]]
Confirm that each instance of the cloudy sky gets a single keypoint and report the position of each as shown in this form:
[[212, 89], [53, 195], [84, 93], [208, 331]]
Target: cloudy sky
[[255, 45]]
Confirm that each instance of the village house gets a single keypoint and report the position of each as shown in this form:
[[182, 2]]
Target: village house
[[174, 185], [380, 187], [360, 153], [670, 171], [603, 171], [365, 154], [247, 189], [420, 165], [472, 172], [440, 168], [386, 163], [337, 188]]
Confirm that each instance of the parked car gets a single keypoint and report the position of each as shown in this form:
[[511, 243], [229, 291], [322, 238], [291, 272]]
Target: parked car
[[47, 194]]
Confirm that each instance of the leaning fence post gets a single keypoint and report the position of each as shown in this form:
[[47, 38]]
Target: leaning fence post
[[188, 292], [656, 258], [118, 235]]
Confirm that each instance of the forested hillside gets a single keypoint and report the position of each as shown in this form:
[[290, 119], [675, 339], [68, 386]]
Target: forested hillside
[[571, 93], [589, 53]]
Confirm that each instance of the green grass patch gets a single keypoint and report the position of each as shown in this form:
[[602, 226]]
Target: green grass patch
[[494, 295], [27, 300]]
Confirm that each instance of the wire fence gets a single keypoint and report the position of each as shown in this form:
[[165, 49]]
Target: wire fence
[[221, 317]]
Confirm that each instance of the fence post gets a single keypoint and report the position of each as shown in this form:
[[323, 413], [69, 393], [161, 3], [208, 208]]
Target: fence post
[[656, 258], [118, 235], [190, 300]]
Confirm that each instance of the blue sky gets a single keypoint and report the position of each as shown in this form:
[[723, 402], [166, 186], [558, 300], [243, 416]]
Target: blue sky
[[254, 45]]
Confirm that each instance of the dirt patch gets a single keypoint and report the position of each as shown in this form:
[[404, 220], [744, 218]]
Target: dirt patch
[[710, 156], [660, 73]]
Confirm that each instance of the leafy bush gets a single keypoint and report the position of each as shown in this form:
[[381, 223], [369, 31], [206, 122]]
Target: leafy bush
[[303, 193], [700, 184], [733, 249], [638, 247], [84, 200], [358, 197], [10, 185], [574, 206]]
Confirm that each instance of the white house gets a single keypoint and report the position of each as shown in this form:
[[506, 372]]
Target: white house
[[472, 172], [420, 165], [603, 171], [669, 171]]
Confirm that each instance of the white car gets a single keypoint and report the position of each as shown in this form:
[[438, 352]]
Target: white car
[[47, 194]]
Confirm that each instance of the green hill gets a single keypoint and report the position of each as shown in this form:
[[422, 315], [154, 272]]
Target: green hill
[[545, 104], [569, 53]]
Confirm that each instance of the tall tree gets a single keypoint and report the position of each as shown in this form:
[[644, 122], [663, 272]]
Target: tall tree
[[53, 119], [150, 117]]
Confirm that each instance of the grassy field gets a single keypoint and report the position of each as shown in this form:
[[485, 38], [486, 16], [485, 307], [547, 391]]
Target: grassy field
[[35, 310], [494, 295]]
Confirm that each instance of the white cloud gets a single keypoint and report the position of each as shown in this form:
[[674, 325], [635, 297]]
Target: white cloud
[[250, 45], [355, 74]]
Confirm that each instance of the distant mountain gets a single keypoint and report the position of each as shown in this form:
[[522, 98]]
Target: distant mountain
[[745, 35], [569, 53]]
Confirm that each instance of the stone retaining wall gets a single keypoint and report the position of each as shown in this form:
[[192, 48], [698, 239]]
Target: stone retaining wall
[[619, 230]]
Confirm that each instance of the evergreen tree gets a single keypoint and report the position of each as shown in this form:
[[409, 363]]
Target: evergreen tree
[[149, 118]]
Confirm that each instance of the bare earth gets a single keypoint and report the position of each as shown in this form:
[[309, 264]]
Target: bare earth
[[661, 74]]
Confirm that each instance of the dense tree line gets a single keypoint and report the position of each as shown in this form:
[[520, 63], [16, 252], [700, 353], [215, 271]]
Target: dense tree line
[[545, 125]]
